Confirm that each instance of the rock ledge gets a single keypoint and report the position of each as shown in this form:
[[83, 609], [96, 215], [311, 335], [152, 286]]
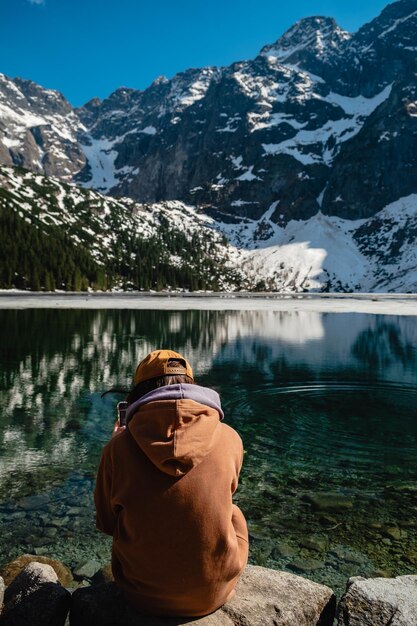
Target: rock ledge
[[379, 602]]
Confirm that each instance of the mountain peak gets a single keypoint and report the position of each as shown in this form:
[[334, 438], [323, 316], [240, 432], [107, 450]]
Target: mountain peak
[[314, 35], [160, 80]]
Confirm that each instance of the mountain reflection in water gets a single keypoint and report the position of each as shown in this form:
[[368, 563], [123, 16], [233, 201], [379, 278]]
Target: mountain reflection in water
[[326, 405]]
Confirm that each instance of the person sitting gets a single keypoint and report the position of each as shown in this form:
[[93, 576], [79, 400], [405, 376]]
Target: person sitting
[[164, 493]]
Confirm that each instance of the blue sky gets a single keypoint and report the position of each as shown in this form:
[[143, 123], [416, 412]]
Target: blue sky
[[87, 48]]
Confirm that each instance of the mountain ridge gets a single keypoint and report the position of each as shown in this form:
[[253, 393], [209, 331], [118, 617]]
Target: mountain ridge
[[178, 138]]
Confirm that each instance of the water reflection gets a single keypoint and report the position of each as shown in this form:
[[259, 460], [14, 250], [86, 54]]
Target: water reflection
[[326, 405]]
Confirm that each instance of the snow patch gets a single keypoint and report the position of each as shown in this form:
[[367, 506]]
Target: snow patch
[[248, 175], [261, 121], [149, 130], [396, 24], [101, 157], [305, 145]]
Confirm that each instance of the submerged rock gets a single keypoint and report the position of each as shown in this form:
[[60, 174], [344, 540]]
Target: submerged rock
[[283, 550], [348, 555], [12, 569], [329, 501], [263, 597], [33, 502], [379, 602], [315, 542], [394, 533], [305, 565], [257, 531], [35, 597], [411, 557], [87, 569]]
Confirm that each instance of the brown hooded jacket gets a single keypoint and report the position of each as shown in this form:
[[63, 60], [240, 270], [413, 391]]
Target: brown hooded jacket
[[164, 492]]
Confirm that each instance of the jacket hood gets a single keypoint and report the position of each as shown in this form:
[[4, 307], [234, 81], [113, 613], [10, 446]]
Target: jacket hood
[[176, 426]]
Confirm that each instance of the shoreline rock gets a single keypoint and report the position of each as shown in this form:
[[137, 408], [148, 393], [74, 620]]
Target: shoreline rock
[[35, 594], [379, 602], [264, 597], [12, 569]]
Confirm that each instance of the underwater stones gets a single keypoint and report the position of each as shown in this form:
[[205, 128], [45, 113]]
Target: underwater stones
[[374, 525], [16, 515], [305, 565], [257, 531], [348, 555], [315, 543], [59, 521], [410, 557], [328, 501], [12, 569], [327, 521], [405, 487], [263, 597], [394, 533], [379, 602], [41, 551], [40, 542], [283, 550], [260, 552], [33, 502], [86, 569], [407, 523], [381, 573], [35, 594], [76, 511]]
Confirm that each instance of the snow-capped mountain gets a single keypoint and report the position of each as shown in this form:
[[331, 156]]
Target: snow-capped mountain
[[288, 125], [38, 129], [311, 40], [316, 135]]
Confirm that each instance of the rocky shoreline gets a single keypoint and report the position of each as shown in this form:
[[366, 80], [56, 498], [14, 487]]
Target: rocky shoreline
[[44, 592]]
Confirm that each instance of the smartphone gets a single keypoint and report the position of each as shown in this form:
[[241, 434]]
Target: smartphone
[[121, 413]]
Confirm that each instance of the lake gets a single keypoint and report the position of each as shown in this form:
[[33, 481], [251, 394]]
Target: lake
[[326, 404]]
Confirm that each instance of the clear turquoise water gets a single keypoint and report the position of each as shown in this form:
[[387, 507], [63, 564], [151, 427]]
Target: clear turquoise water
[[326, 405]]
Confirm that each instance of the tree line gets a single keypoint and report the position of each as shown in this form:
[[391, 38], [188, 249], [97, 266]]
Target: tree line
[[46, 258]]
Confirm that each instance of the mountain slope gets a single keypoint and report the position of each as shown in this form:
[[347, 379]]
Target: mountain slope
[[55, 235]]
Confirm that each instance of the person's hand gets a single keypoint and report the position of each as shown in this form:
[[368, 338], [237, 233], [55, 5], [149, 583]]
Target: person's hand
[[117, 429]]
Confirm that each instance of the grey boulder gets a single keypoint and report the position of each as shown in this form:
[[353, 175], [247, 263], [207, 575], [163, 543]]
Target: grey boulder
[[379, 602], [35, 597], [263, 597]]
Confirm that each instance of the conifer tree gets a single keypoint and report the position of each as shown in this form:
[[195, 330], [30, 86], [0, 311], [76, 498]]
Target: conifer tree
[[77, 279], [48, 282], [35, 284]]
